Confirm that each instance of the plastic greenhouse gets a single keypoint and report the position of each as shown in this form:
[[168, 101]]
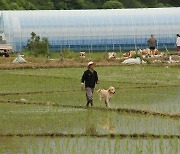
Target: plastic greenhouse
[[92, 30]]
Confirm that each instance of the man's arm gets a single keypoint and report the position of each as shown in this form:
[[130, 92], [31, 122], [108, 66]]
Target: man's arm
[[97, 78], [148, 42], [83, 78], [177, 41], [82, 81]]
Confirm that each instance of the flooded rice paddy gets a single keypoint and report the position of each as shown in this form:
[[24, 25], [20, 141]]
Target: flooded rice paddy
[[47, 128]]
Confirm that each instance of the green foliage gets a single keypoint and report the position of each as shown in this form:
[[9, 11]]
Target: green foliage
[[4, 5], [133, 4], [140, 56], [38, 46], [147, 60], [15, 6], [151, 3], [161, 5], [113, 4], [137, 55], [26, 5], [83, 4], [69, 54]]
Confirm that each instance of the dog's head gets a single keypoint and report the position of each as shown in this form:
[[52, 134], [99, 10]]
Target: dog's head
[[111, 90]]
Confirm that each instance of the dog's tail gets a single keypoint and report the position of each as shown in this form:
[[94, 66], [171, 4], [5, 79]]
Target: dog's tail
[[99, 90]]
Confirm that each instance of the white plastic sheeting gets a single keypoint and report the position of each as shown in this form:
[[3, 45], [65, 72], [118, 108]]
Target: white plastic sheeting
[[19, 59], [134, 61], [83, 30]]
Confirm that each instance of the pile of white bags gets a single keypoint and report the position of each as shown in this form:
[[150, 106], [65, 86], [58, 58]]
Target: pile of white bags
[[134, 61], [19, 59]]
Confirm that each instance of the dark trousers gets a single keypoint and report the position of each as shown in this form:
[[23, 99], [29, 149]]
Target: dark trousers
[[152, 48], [89, 96], [178, 48]]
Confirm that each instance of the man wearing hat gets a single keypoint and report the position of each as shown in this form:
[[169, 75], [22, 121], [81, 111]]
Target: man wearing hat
[[89, 78]]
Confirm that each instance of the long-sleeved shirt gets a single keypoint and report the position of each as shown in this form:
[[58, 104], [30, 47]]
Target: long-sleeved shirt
[[152, 42], [178, 41], [90, 78]]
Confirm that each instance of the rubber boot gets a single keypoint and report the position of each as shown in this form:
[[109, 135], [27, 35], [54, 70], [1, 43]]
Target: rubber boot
[[91, 102], [87, 105]]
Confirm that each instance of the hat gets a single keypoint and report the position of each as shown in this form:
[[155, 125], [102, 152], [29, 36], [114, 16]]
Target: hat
[[90, 63]]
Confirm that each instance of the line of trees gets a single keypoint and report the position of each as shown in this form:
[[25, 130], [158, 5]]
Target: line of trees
[[84, 4]]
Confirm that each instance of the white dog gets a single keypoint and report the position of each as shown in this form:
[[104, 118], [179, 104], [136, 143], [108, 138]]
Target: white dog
[[82, 55], [106, 95], [112, 55]]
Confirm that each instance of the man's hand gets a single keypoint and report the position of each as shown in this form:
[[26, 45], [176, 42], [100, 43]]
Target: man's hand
[[82, 86]]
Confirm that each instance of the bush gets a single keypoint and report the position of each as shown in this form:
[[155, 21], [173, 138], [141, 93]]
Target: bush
[[137, 55], [69, 54], [38, 46], [113, 4], [140, 56]]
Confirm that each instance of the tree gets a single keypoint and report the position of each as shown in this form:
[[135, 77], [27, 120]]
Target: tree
[[15, 6], [91, 5], [45, 46], [4, 5], [25, 4], [174, 2], [68, 4], [149, 3], [83, 4], [113, 4], [133, 4], [61, 6], [42, 4], [160, 5], [38, 46], [30, 6]]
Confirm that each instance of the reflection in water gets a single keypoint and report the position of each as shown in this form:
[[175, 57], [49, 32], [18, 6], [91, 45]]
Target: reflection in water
[[106, 122], [103, 120], [90, 123]]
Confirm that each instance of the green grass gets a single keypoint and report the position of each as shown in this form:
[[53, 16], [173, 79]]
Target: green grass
[[138, 87], [146, 87], [72, 54], [89, 54]]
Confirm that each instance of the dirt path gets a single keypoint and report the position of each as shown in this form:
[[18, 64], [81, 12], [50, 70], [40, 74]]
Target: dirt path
[[7, 64]]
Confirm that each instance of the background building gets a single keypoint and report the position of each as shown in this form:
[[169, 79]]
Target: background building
[[92, 30]]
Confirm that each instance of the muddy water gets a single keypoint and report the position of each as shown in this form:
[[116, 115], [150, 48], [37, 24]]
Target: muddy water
[[16, 119], [32, 119]]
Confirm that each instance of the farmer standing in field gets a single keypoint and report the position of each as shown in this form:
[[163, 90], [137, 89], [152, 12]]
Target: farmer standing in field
[[89, 78], [178, 42], [152, 43]]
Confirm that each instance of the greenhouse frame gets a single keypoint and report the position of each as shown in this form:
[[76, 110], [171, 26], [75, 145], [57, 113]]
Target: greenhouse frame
[[92, 30]]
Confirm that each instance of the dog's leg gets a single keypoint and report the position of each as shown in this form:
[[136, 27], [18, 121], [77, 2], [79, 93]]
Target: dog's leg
[[108, 103], [100, 101]]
